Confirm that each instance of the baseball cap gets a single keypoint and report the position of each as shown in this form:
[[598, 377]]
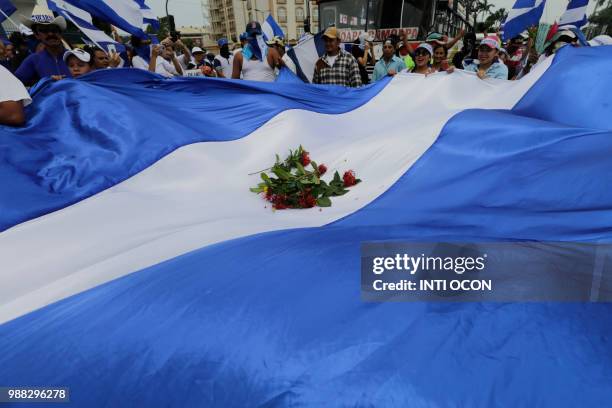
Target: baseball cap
[[490, 42], [222, 42], [435, 37], [82, 55], [195, 50], [244, 36], [426, 47], [331, 32], [253, 28]]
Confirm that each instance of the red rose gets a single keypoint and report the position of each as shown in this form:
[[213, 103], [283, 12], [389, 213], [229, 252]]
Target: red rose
[[322, 169], [349, 178], [305, 159], [279, 202], [310, 201]]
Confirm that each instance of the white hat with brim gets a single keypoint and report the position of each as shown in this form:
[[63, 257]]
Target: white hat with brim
[[426, 47], [79, 53], [43, 16], [601, 40]]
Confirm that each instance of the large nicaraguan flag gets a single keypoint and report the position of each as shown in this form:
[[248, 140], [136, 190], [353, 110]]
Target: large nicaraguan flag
[[522, 15], [137, 269]]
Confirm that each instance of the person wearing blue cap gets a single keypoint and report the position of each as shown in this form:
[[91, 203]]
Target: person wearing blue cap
[[256, 62], [223, 63]]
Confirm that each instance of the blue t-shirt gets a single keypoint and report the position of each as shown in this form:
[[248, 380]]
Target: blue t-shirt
[[497, 70], [39, 65], [381, 69]]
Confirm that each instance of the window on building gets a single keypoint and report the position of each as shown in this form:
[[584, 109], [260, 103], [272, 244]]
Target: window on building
[[281, 1], [299, 1], [315, 13], [299, 14], [282, 15], [299, 31]]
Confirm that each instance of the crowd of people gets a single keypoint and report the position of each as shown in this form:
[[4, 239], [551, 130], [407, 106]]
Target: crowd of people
[[252, 60]]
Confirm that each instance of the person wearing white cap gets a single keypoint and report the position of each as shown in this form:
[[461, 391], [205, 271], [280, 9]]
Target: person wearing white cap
[[560, 39], [600, 40], [422, 59], [488, 65], [79, 61], [13, 97], [47, 62]]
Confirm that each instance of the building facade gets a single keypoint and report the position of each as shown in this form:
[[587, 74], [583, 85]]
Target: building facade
[[229, 18]]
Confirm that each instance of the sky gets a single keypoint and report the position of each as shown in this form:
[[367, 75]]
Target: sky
[[188, 12]]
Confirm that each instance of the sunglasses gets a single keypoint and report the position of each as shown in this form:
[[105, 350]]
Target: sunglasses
[[421, 54], [48, 29]]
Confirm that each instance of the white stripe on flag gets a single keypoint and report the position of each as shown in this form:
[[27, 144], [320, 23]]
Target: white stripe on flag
[[307, 56], [172, 208], [573, 16]]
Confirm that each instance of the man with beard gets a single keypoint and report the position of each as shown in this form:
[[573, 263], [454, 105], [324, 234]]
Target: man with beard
[[48, 61], [223, 62]]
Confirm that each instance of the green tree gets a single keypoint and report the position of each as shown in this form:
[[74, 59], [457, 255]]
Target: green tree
[[602, 21]]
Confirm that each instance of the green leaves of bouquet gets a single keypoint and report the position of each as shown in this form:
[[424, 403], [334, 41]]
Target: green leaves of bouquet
[[296, 182]]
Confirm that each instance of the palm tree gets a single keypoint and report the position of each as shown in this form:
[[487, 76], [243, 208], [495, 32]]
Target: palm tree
[[496, 18], [484, 7]]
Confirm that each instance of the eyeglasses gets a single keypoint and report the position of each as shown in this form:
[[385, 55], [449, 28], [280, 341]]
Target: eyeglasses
[[48, 29]]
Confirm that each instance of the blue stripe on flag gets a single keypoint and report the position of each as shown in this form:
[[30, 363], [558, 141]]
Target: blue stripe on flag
[[7, 8], [524, 14], [271, 29], [575, 14]]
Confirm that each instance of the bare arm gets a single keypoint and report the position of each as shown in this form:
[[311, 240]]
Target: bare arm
[[454, 41], [237, 66], [186, 53], [274, 59], [153, 60], [177, 65], [11, 113]]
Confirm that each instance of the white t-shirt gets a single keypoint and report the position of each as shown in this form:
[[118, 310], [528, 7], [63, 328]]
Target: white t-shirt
[[184, 61], [224, 65], [162, 67], [12, 89]]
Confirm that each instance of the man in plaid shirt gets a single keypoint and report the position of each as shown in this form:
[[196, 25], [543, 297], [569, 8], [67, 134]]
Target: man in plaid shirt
[[336, 67]]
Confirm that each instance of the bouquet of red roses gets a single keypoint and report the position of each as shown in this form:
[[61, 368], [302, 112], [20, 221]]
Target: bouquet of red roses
[[298, 182]]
